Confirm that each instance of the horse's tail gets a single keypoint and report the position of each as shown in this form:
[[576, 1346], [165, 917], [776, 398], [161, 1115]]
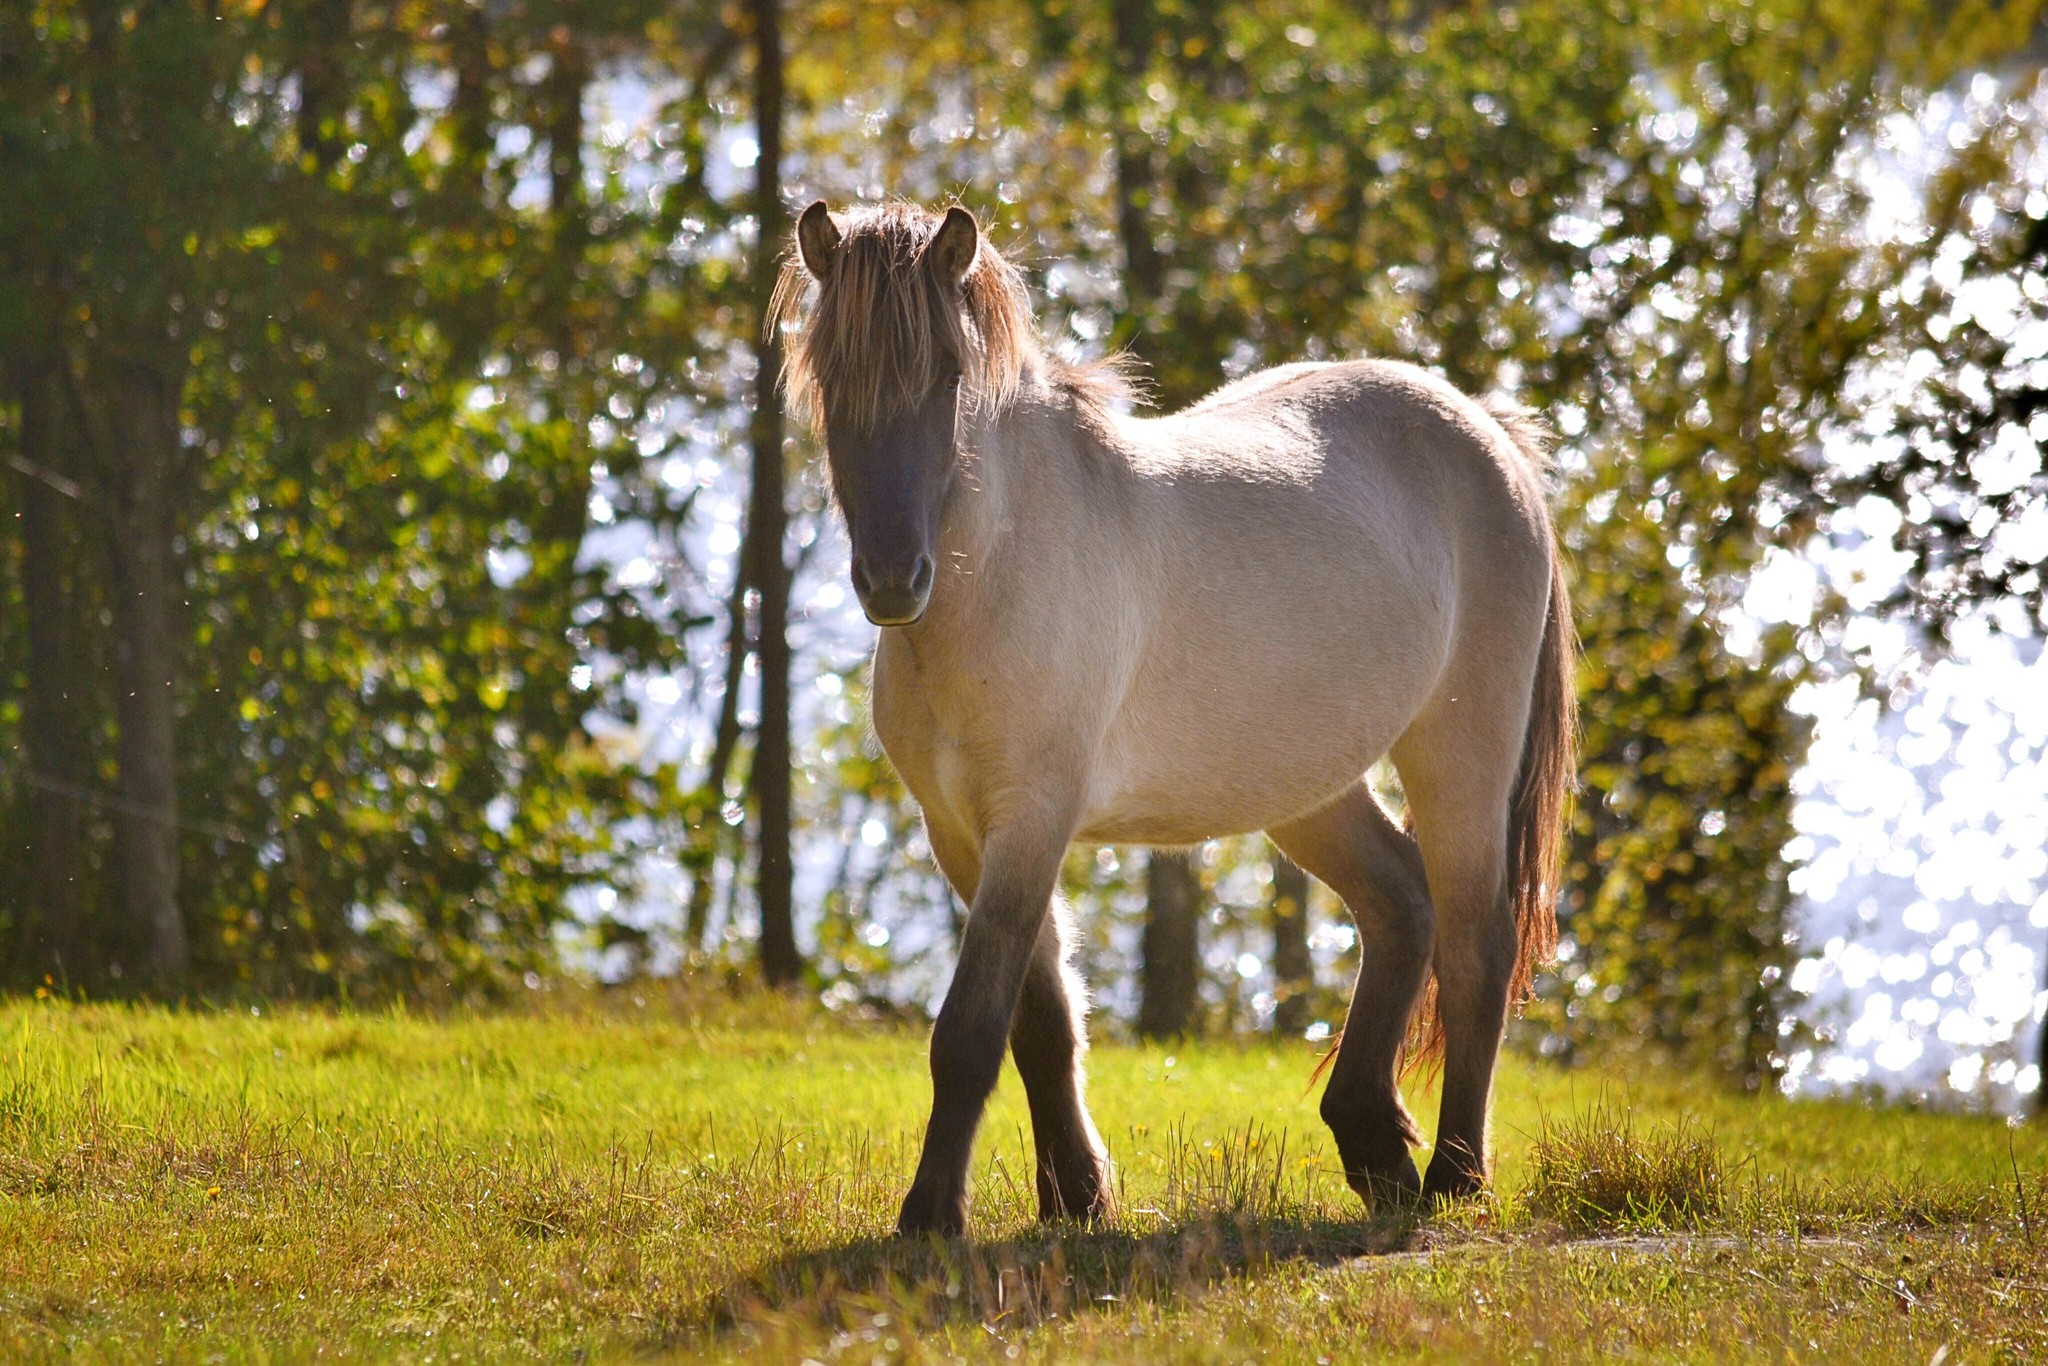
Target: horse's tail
[[1541, 806], [1541, 801]]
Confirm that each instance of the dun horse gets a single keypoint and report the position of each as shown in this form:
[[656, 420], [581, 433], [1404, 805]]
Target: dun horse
[[1155, 631]]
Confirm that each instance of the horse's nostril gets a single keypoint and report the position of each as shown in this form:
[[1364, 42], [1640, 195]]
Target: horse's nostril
[[888, 595]]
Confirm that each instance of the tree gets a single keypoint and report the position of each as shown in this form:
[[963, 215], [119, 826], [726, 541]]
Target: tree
[[767, 518], [125, 153], [401, 396], [1293, 969], [1171, 948]]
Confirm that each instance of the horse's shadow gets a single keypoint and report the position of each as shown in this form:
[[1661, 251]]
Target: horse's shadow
[[1053, 1271]]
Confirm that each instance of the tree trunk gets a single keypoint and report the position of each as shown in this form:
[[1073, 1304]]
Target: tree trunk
[[1293, 971], [51, 938], [1172, 956], [1135, 181], [2041, 1061], [766, 518], [322, 40], [1170, 970], [141, 416], [568, 75], [725, 739]]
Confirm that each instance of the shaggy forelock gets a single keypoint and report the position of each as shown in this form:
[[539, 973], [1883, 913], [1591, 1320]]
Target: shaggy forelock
[[885, 328]]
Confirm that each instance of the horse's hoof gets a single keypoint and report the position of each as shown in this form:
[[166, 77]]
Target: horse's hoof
[[1374, 1150], [1083, 1195], [925, 1212], [1395, 1187], [1451, 1179]]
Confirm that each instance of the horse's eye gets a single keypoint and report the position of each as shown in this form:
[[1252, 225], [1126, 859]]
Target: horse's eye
[[953, 383]]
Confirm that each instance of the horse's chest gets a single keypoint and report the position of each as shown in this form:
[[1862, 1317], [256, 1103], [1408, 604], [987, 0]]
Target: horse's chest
[[927, 728]]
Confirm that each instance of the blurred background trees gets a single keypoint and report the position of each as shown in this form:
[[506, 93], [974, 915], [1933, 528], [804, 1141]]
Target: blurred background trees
[[316, 629], [408, 578]]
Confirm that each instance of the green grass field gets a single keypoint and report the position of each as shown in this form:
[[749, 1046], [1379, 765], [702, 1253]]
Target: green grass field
[[710, 1179]]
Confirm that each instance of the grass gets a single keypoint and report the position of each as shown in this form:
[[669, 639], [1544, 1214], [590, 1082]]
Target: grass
[[1601, 1170], [704, 1179]]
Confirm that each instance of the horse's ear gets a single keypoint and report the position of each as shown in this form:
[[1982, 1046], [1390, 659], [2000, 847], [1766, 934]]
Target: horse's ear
[[954, 245], [817, 238]]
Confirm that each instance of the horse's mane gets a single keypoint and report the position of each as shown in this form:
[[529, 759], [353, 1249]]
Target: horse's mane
[[884, 329]]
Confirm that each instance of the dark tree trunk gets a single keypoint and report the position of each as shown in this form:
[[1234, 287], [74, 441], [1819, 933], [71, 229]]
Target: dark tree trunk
[[1293, 972], [126, 387], [1170, 971], [725, 739], [322, 42], [2041, 1085], [766, 519], [1135, 179], [1172, 953], [51, 935], [141, 460], [568, 74], [469, 47]]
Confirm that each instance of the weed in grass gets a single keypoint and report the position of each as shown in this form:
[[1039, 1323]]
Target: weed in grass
[[20, 1107], [1600, 1171]]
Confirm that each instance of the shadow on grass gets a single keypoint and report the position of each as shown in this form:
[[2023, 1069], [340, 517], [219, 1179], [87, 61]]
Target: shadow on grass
[[1053, 1271]]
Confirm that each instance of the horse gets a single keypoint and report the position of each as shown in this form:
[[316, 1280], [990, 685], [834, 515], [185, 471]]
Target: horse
[[1108, 628]]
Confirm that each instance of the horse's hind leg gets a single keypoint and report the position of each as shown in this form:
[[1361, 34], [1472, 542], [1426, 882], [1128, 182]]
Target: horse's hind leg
[[1354, 848], [1458, 776]]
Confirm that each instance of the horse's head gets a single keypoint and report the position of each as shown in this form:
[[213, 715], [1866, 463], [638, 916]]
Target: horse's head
[[916, 322]]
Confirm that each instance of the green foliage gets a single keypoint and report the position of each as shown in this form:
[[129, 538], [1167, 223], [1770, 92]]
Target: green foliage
[[1706, 445], [438, 331], [409, 385]]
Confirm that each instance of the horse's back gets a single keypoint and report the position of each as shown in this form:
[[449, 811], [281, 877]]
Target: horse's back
[[1316, 540], [1376, 461], [1361, 412]]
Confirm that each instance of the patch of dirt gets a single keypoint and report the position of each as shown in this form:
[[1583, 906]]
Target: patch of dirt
[[1427, 1244]]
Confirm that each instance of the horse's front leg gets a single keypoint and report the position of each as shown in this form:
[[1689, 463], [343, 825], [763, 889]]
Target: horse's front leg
[[1020, 864], [1049, 1040]]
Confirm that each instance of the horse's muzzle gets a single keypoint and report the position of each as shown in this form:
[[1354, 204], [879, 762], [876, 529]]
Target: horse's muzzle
[[894, 595]]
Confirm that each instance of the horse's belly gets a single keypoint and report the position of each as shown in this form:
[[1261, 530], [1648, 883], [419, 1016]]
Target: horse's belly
[[1194, 814], [1237, 795], [1222, 755]]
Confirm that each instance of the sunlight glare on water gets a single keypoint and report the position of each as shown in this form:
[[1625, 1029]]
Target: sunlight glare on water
[[1925, 881]]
